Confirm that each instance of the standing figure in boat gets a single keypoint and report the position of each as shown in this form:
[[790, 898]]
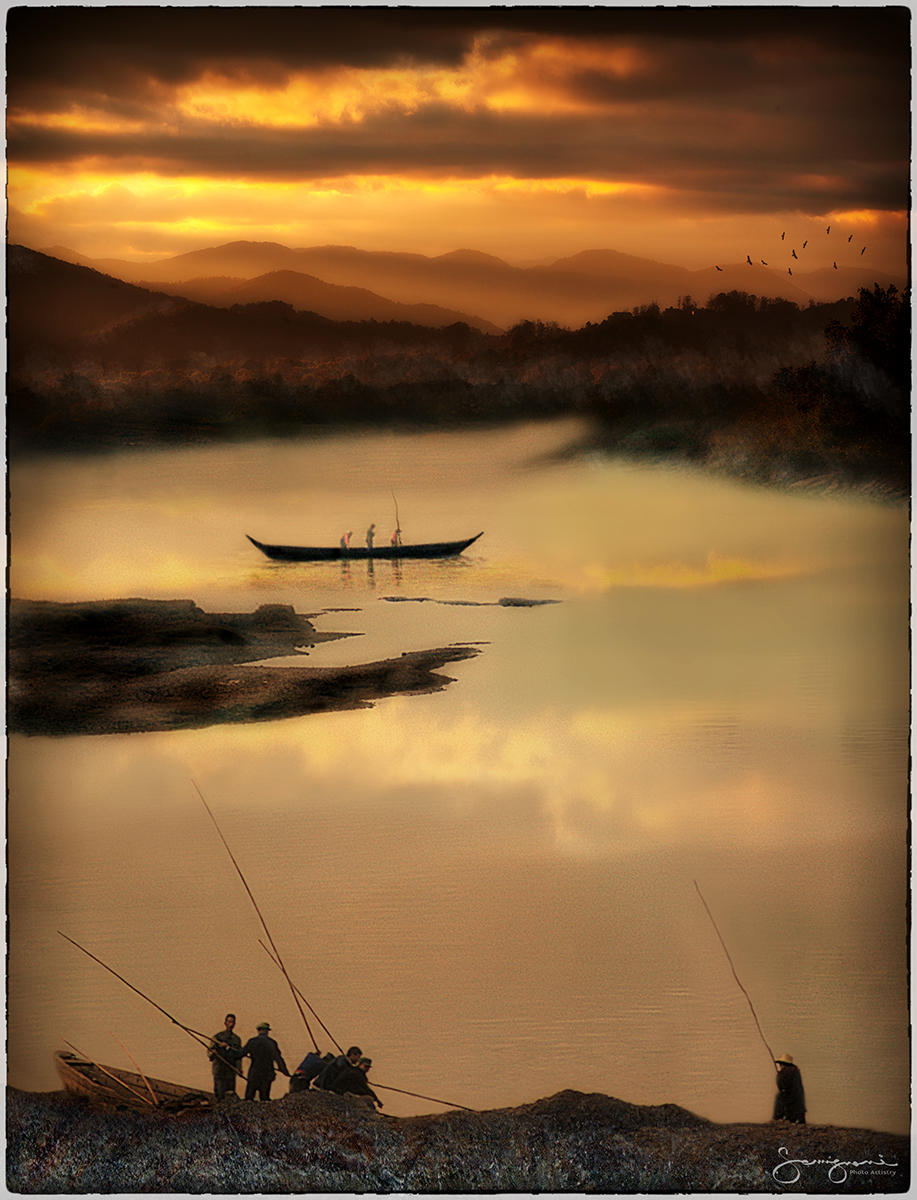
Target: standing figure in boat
[[226, 1053], [790, 1103], [265, 1055], [345, 541], [370, 534]]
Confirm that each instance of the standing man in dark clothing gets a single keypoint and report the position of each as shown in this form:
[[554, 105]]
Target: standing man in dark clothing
[[790, 1104], [352, 1078], [265, 1055], [226, 1053], [327, 1076]]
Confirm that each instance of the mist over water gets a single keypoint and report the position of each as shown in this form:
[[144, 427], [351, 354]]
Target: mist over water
[[490, 889]]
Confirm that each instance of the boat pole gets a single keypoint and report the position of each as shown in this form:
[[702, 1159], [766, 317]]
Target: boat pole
[[260, 917], [137, 1065], [276, 963], [770, 1053], [201, 1038], [127, 1087]]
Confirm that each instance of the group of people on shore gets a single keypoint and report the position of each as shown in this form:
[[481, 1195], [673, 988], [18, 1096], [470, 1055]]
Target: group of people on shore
[[370, 538], [345, 1073]]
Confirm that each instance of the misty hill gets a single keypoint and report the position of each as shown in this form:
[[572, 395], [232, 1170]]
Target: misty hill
[[52, 304], [310, 294], [570, 291]]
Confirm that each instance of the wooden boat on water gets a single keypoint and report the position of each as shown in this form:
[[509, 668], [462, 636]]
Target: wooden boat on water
[[114, 1087], [336, 553]]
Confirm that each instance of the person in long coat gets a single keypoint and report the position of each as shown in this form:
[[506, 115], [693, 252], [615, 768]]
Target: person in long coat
[[265, 1055], [790, 1103], [226, 1052]]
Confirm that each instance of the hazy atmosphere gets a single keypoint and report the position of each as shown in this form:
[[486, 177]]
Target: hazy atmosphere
[[472, 447]]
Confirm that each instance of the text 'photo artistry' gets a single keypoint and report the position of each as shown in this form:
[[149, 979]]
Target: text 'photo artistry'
[[458, 665]]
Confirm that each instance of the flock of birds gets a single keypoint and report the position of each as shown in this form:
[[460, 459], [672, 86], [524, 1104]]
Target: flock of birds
[[793, 253]]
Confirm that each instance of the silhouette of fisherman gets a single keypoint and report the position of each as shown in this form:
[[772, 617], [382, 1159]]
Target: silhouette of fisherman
[[345, 541], [326, 1076], [370, 534], [310, 1068], [790, 1102], [351, 1080], [226, 1052], [265, 1055]]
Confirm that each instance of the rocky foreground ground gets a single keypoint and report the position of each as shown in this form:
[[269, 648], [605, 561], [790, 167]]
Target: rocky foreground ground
[[315, 1142]]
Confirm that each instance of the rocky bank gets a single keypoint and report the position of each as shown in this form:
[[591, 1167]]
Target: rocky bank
[[316, 1142], [133, 666]]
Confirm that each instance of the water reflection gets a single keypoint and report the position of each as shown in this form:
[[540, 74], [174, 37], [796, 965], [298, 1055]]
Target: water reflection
[[500, 873]]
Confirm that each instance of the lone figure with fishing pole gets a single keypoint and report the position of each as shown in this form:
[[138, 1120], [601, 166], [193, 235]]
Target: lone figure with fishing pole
[[265, 1055], [790, 1102], [225, 1054]]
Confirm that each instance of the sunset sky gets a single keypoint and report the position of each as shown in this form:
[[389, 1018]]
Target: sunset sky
[[694, 136]]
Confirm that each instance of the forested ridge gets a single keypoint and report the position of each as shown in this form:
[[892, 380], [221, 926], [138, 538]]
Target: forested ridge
[[744, 383]]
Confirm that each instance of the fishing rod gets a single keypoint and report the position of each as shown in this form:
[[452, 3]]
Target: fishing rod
[[201, 1038], [137, 1065], [735, 976], [276, 963], [120, 1082], [260, 917]]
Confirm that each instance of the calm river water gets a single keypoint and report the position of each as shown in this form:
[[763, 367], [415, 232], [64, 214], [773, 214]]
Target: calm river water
[[490, 889]]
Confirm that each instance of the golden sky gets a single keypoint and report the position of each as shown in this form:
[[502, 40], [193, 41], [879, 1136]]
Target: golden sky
[[693, 136]]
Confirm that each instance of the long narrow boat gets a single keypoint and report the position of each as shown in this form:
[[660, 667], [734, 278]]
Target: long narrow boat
[[113, 1087], [332, 553]]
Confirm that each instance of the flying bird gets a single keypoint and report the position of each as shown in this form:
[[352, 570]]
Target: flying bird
[[763, 263], [828, 230], [835, 266], [748, 260], [720, 268], [850, 239], [863, 251], [783, 235], [795, 255], [805, 243], [789, 270]]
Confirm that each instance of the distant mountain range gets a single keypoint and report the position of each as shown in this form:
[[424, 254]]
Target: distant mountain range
[[345, 283]]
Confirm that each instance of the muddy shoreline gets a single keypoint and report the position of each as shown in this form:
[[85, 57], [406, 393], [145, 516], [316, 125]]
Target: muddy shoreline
[[314, 1142], [136, 666]]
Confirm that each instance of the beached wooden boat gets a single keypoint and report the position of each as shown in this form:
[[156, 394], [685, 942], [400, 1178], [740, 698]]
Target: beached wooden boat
[[114, 1087], [385, 551]]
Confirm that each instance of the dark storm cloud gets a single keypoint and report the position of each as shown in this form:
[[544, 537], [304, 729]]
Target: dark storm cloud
[[749, 106], [677, 154], [105, 50]]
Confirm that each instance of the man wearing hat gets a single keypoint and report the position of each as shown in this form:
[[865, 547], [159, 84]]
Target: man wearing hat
[[265, 1055], [790, 1104]]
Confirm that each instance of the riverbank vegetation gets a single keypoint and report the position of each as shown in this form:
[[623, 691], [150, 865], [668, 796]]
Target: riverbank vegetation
[[748, 385]]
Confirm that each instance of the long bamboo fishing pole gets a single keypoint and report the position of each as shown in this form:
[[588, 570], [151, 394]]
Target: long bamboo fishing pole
[[331, 1036], [120, 1082], [201, 1038], [735, 976], [385, 1086], [137, 1065], [260, 917]]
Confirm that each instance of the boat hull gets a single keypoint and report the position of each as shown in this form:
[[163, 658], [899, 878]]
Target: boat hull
[[113, 1087], [336, 554]]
